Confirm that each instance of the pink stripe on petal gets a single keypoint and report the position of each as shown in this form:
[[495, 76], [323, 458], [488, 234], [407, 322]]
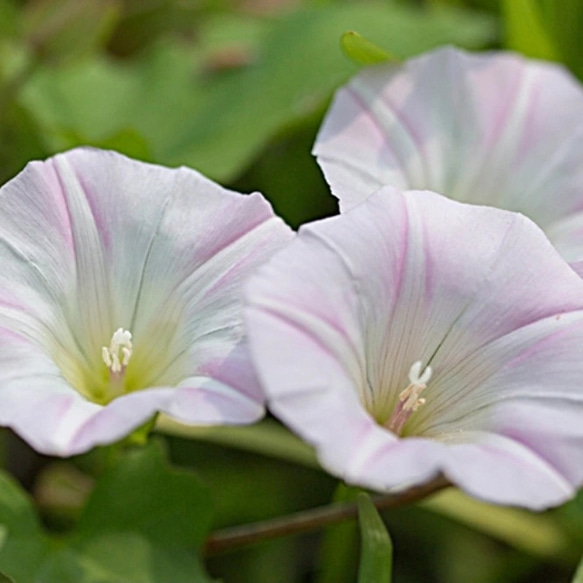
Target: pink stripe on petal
[[411, 294], [129, 276], [489, 128]]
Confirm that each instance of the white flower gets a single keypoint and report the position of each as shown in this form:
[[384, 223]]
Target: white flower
[[120, 297], [414, 336], [490, 128]]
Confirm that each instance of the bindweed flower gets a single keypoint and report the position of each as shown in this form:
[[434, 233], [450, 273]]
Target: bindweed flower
[[494, 129], [414, 336], [120, 297]]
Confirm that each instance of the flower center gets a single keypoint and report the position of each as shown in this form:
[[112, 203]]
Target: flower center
[[116, 357], [409, 400], [119, 352], [103, 368]]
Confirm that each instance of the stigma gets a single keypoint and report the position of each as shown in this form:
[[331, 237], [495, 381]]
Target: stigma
[[409, 399], [117, 355]]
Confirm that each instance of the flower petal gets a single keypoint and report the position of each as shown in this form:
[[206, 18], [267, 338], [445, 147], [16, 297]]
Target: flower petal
[[505, 471], [492, 129], [337, 319], [46, 411], [91, 242]]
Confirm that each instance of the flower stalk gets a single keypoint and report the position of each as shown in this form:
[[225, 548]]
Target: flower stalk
[[314, 519]]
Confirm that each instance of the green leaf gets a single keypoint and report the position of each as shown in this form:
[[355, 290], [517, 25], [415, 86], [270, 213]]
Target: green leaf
[[546, 29], [143, 523], [9, 19], [142, 21], [126, 140], [121, 557], [362, 51], [376, 563], [167, 506], [578, 577], [338, 551], [564, 22], [296, 71], [218, 122], [101, 102], [62, 29], [537, 535], [525, 31], [24, 544], [20, 139]]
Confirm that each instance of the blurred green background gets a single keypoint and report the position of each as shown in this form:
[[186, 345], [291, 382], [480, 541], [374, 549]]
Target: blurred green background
[[237, 90]]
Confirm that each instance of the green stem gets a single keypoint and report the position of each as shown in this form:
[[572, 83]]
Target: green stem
[[535, 534], [539, 535], [310, 520], [267, 438]]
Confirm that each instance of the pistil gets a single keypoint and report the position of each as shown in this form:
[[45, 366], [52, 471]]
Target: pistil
[[409, 399]]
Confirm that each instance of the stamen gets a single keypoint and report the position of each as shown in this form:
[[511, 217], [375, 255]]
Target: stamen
[[118, 354], [409, 400]]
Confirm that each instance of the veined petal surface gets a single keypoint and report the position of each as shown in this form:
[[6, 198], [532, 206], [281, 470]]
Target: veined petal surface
[[92, 243], [338, 319], [490, 128]]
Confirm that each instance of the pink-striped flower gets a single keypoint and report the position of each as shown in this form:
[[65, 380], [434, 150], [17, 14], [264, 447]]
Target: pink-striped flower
[[414, 336], [120, 297], [491, 128]]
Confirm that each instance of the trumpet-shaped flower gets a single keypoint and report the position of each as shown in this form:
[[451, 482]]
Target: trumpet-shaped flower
[[493, 129], [120, 297], [414, 336]]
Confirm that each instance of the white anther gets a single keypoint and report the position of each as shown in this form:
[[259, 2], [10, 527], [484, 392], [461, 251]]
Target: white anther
[[120, 345], [106, 356], [126, 354], [418, 403]]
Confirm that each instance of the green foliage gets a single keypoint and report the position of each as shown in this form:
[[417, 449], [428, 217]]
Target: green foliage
[[218, 121], [267, 438], [376, 563], [564, 22], [19, 139], [250, 487], [141, 524], [237, 90], [578, 578], [143, 23], [362, 51], [168, 507], [338, 552], [64, 29], [539, 535], [96, 101], [9, 19], [546, 29], [524, 30]]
